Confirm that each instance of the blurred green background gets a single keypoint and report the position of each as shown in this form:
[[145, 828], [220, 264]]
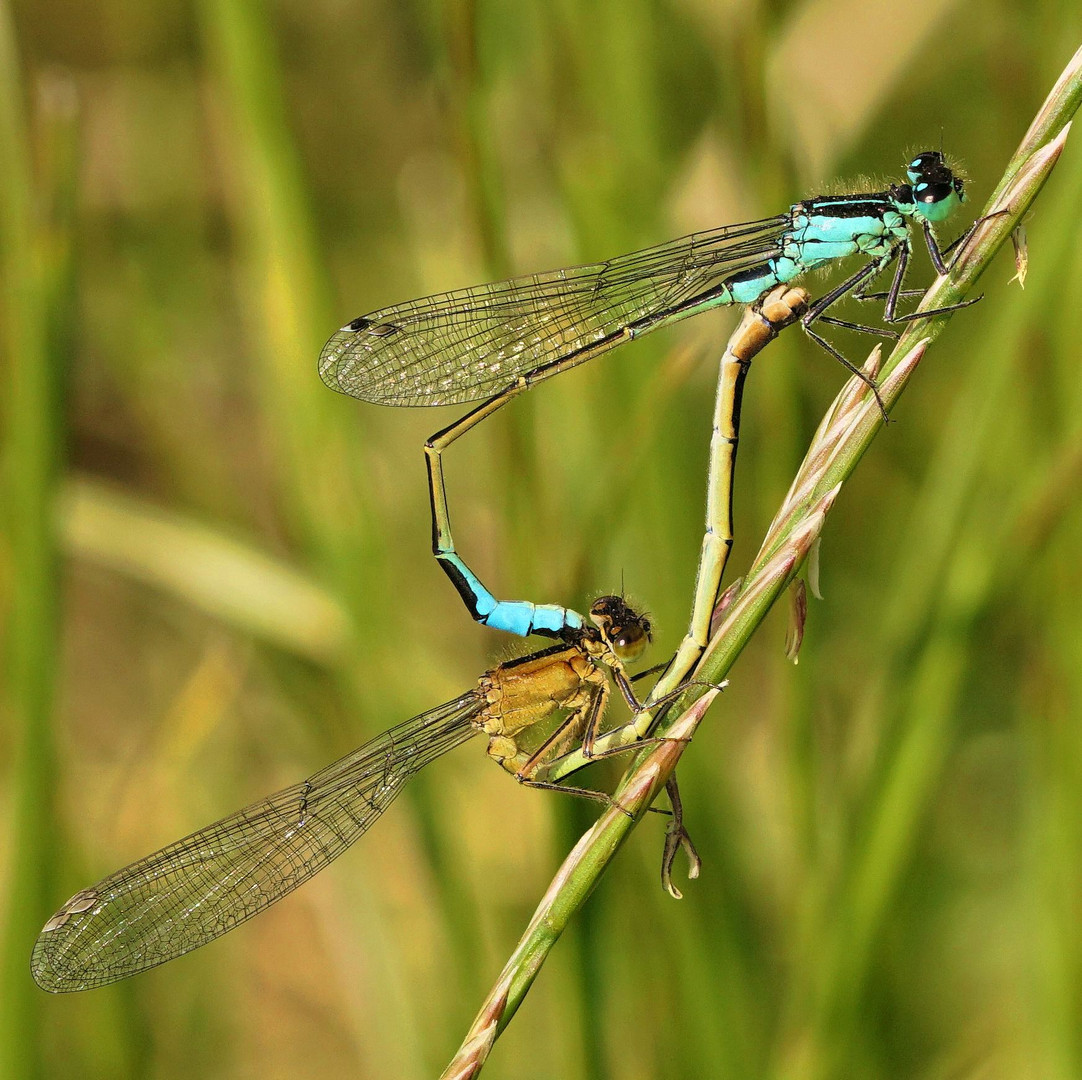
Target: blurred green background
[[215, 574]]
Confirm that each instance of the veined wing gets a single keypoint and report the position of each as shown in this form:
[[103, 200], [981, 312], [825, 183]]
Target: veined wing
[[204, 885], [471, 343]]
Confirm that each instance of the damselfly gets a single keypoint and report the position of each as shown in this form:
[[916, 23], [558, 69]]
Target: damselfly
[[495, 341], [201, 887]]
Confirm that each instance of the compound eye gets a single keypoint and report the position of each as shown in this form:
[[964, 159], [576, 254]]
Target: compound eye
[[930, 159], [626, 630], [629, 642], [932, 193]]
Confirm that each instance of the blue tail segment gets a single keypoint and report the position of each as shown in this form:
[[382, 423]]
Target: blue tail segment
[[514, 616]]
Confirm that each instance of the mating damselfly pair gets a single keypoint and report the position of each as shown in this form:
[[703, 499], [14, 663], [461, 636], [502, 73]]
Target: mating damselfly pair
[[491, 342]]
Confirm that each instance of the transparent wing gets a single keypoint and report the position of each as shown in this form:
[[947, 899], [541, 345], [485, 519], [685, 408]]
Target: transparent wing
[[204, 885], [471, 343]]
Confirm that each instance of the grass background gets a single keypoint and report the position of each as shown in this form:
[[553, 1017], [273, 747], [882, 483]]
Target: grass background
[[214, 573]]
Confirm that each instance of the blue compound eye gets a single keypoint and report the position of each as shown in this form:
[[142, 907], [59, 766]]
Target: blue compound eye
[[933, 193], [929, 162]]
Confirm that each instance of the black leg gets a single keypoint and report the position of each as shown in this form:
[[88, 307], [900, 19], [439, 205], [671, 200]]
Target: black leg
[[896, 291], [637, 744], [876, 331], [865, 273], [896, 285], [970, 231], [933, 248], [863, 376], [961, 239], [883, 295], [663, 666], [941, 267], [937, 311], [891, 305], [623, 684]]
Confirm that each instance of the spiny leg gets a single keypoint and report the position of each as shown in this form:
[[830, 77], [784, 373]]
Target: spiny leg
[[938, 255], [890, 307], [943, 268], [646, 710], [933, 244], [860, 328], [582, 717], [542, 769], [593, 726], [896, 282], [506, 752], [895, 293], [890, 297], [850, 285], [930, 312], [635, 734], [515, 616]]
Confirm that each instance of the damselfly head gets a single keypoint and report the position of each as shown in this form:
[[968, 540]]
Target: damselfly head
[[626, 631], [934, 190]]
